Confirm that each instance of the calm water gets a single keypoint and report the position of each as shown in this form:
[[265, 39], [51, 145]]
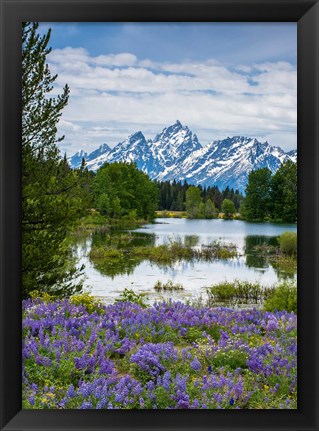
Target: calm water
[[109, 280]]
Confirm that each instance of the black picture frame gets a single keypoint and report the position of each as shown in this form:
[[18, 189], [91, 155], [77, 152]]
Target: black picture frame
[[306, 14]]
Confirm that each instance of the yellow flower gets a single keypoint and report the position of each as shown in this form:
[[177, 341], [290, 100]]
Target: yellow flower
[[266, 387]]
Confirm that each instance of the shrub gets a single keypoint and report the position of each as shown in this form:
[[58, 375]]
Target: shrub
[[236, 291], [284, 297], [128, 295], [89, 302], [46, 297], [288, 243], [223, 291], [105, 253]]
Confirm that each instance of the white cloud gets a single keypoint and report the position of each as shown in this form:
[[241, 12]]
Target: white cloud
[[114, 95], [124, 59]]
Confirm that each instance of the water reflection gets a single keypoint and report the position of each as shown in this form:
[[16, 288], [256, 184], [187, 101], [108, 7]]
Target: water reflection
[[141, 274]]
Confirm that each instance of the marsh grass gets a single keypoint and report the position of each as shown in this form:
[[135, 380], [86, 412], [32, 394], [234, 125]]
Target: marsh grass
[[168, 286], [243, 292], [165, 253]]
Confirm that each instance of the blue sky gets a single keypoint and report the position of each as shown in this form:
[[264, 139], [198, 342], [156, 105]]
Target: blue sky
[[220, 79]]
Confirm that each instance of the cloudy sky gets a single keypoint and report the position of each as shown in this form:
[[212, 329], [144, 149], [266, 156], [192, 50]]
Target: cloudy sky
[[219, 79]]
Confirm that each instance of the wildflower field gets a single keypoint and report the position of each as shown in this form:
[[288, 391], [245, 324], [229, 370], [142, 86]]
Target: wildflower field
[[165, 356]]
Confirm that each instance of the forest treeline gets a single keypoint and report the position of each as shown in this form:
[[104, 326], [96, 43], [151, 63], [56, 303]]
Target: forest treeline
[[172, 196], [121, 189]]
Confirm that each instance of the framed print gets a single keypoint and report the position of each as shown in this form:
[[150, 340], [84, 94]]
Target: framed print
[[159, 215]]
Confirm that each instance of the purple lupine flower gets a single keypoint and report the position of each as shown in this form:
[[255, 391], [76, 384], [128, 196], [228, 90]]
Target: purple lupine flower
[[272, 325], [167, 380], [86, 405], [196, 365], [70, 392]]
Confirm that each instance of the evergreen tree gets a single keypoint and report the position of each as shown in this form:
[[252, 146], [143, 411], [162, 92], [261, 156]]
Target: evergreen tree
[[257, 200], [50, 192], [283, 195]]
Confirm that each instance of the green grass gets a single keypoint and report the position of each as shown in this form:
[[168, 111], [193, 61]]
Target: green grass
[[165, 253]]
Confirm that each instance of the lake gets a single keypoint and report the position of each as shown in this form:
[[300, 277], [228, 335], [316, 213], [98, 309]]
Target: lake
[[107, 281]]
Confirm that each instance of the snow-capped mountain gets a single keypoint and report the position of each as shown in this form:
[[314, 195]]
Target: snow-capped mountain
[[173, 145], [176, 153], [76, 160], [293, 155], [227, 162]]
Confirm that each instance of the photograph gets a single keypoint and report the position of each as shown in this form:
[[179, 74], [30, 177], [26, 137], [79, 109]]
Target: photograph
[[159, 215]]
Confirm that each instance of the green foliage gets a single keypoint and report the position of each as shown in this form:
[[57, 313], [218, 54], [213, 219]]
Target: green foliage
[[206, 203], [257, 200], [288, 243], [272, 197], [44, 296], [237, 291], [105, 253], [228, 208], [201, 210], [284, 297], [89, 302], [193, 201], [232, 359], [194, 334], [113, 259], [120, 189], [223, 291], [128, 295], [283, 193], [51, 191], [210, 209]]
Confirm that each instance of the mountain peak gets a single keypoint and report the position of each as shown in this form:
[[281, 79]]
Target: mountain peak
[[174, 128], [176, 153], [137, 136], [104, 147]]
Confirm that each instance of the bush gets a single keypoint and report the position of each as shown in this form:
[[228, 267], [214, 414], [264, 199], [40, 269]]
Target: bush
[[46, 297], [128, 295], [284, 297], [89, 302], [288, 243], [223, 291], [238, 291], [105, 253]]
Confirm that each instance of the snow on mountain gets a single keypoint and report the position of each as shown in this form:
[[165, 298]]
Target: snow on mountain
[[102, 150], [227, 162], [173, 145], [134, 149], [76, 160], [91, 159], [293, 155], [176, 153]]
